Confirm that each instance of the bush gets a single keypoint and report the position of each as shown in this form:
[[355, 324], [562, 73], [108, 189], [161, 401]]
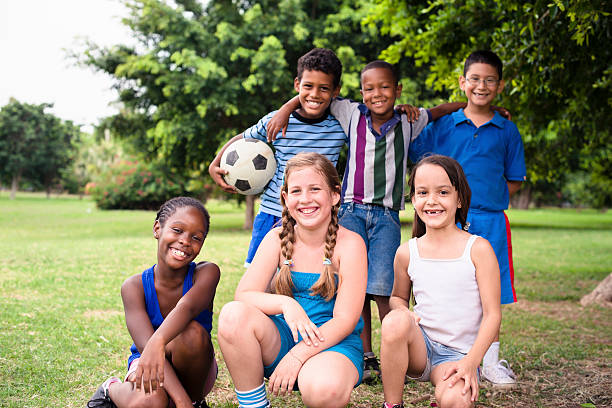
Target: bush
[[134, 185]]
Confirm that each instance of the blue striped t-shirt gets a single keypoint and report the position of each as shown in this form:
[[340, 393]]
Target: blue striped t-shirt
[[322, 135]]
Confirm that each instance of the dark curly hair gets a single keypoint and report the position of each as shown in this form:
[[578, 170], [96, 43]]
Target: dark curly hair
[[384, 65], [320, 59]]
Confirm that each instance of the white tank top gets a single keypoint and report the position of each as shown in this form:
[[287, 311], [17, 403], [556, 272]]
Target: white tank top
[[447, 297]]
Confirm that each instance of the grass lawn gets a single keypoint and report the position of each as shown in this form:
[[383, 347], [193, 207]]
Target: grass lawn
[[62, 330]]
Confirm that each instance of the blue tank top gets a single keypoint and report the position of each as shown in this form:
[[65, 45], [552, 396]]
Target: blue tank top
[[319, 310], [152, 304]]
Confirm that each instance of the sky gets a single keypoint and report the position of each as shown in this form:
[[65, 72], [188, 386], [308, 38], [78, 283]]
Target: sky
[[34, 66]]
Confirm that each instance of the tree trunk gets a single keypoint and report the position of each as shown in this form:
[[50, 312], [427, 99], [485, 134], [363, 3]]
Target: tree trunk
[[522, 198], [14, 185], [249, 212], [601, 295]]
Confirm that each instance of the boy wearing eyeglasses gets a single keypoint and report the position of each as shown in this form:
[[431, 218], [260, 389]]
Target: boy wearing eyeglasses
[[490, 150]]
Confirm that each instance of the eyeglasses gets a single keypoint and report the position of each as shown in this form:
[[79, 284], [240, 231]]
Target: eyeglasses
[[489, 82]]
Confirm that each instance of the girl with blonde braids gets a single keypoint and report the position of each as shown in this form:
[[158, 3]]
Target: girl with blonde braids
[[306, 332]]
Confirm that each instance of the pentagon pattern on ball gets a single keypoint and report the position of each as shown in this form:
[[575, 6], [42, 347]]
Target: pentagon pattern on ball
[[250, 164], [242, 185], [260, 162], [231, 158]]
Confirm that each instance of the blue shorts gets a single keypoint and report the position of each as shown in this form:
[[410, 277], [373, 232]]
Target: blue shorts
[[350, 347], [381, 231], [437, 354], [495, 228], [262, 224]]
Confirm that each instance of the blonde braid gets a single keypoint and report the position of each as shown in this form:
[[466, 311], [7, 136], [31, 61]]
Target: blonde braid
[[326, 284], [283, 284]]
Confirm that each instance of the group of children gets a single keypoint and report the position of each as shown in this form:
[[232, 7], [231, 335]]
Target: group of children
[[321, 250]]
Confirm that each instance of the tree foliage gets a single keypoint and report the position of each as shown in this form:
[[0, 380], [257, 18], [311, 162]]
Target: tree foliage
[[34, 145], [201, 72], [557, 68]]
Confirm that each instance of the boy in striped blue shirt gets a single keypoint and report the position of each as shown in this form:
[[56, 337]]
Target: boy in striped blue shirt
[[311, 128]]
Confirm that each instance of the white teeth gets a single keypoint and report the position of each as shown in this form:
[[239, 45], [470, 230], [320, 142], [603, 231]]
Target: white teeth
[[307, 210], [177, 252]]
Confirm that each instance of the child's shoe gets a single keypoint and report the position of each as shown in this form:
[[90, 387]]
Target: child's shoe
[[371, 368], [101, 399], [387, 405], [200, 404], [500, 374]]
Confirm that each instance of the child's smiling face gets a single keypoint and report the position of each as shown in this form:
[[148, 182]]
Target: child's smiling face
[[316, 91], [380, 90], [481, 84], [181, 237]]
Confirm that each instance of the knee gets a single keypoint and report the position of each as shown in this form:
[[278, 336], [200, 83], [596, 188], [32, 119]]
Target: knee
[[156, 400], [233, 319], [396, 326], [453, 398], [194, 339], [325, 392]]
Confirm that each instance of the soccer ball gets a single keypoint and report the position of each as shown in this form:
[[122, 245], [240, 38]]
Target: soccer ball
[[250, 165]]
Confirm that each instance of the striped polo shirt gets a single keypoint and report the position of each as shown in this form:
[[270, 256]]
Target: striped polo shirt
[[376, 166], [322, 135]]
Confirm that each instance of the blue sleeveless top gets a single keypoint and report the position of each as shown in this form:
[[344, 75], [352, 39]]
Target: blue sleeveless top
[[152, 304]]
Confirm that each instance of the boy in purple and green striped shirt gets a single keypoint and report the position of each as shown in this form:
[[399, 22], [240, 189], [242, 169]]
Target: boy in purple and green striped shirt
[[374, 178]]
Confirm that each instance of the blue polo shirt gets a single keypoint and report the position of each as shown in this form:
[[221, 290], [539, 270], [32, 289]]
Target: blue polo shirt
[[489, 154]]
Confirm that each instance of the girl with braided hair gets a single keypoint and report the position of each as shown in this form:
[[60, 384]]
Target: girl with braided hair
[[168, 312], [305, 330]]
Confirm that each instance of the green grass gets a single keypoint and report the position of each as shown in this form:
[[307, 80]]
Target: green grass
[[62, 330]]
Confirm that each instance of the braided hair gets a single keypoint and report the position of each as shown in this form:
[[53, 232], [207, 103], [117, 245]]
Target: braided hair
[[326, 284]]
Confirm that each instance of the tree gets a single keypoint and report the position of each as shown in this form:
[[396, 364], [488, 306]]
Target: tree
[[33, 144], [557, 70], [201, 73]]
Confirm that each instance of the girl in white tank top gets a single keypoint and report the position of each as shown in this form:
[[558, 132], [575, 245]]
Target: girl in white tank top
[[454, 277]]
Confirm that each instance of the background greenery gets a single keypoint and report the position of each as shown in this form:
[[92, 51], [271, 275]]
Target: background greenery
[[62, 262]]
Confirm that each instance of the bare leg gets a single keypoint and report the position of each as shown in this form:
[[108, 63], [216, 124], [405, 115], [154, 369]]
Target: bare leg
[[191, 354], [382, 302], [366, 334], [449, 397], [402, 350], [327, 379], [248, 340]]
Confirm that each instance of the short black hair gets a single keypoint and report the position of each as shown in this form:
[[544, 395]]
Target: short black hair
[[384, 65], [168, 209], [484, 57], [320, 59]]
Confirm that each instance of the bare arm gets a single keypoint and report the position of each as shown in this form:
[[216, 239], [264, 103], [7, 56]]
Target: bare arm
[[487, 278], [140, 328], [400, 295], [216, 172], [514, 186], [280, 120], [445, 108]]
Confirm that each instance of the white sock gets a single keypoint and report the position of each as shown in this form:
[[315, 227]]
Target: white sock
[[491, 357]]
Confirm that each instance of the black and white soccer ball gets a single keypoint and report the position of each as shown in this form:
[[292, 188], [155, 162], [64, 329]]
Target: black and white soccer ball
[[250, 165]]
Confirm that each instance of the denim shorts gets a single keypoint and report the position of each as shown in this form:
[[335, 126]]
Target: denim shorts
[[436, 354], [262, 224], [380, 229]]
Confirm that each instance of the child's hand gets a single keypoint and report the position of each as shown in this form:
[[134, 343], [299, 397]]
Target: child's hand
[[150, 370], [298, 322], [285, 374], [463, 369], [217, 173], [502, 111], [412, 112], [279, 122]]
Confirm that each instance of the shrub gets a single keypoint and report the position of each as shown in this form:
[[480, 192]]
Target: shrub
[[134, 185]]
